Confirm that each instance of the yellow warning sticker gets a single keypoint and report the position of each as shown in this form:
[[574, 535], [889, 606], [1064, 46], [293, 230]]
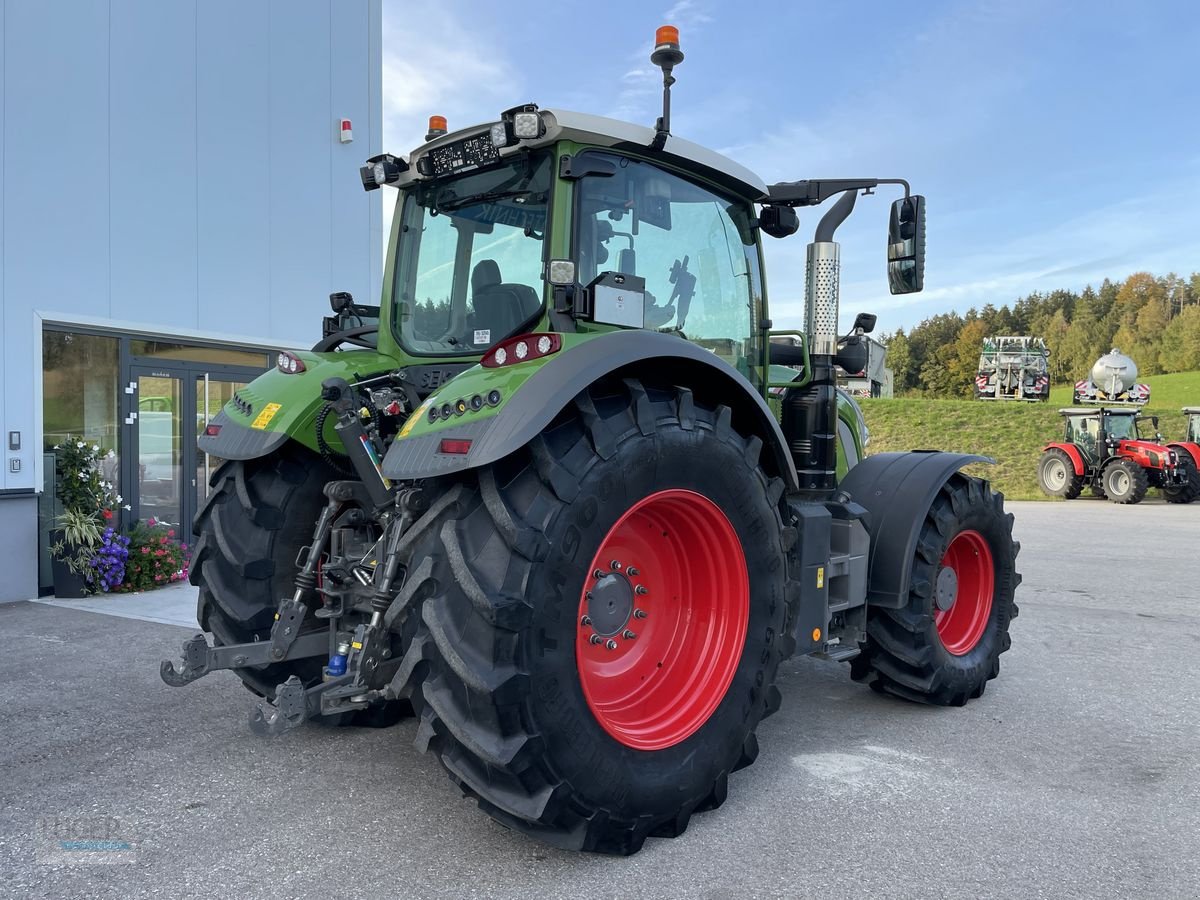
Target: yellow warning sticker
[[415, 418], [357, 645], [264, 418], [820, 577]]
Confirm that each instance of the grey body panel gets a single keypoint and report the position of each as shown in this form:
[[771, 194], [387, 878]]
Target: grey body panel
[[239, 442], [896, 489], [546, 393]]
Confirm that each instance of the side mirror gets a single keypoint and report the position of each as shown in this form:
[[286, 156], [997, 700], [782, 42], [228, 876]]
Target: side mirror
[[865, 321], [906, 246], [340, 300], [779, 221]]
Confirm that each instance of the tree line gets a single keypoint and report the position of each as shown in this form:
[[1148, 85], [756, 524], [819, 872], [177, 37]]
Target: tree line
[[1153, 319]]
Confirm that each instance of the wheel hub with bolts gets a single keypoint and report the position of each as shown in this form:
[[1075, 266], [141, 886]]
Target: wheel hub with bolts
[[610, 602], [946, 591]]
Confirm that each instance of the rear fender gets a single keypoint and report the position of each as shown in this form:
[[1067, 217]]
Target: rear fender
[[532, 394], [897, 490], [1072, 451]]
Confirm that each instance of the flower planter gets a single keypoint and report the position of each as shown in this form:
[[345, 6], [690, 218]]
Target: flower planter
[[67, 585]]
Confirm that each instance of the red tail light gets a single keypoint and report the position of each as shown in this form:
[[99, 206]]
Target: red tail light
[[449, 445], [521, 348], [212, 430]]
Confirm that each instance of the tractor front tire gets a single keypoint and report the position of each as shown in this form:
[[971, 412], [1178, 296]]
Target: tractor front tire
[[1124, 481], [257, 516], [944, 645], [1190, 489], [601, 617], [1057, 476]]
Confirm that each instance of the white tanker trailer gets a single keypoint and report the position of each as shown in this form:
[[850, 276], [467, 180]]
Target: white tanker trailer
[[1113, 380]]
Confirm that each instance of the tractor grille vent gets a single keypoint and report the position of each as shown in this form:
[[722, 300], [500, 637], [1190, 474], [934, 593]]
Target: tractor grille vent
[[242, 405]]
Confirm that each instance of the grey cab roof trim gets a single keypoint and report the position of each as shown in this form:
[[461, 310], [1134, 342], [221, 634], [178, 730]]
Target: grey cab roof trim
[[605, 132]]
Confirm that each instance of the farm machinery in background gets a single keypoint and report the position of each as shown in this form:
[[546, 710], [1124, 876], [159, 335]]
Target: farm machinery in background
[[874, 379], [1112, 381], [543, 497], [1120, 454], [1013, 367]]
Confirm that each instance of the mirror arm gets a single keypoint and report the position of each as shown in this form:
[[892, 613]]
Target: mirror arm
[[814, 193]]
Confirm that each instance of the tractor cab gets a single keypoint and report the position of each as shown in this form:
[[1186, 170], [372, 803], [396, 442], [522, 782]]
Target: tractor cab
[[1193, 429]]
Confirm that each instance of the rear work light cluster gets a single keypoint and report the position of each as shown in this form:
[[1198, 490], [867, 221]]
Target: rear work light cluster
[[289, 363], [521, 349]]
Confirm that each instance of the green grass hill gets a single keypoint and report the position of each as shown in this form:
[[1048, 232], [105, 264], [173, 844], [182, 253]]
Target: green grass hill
[[1013, 434]]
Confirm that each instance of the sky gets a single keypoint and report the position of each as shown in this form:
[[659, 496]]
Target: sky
[[1056, 143]]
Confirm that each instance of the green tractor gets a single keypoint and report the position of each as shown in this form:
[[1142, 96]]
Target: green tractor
[[563, 498]]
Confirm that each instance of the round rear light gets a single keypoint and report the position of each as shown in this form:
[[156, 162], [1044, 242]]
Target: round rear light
[[501, 356], [543, 344], [522, 349]]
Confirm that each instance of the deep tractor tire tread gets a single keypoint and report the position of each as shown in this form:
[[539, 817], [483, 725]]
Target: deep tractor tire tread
[[1139, 481], [258, 514], [491, 588], [903, 654], [1074, 483], [1191, 490]]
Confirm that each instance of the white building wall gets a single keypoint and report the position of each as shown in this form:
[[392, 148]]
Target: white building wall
[[175, 165]]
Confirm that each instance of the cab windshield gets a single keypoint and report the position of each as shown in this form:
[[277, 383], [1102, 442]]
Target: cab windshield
[[470, 257]]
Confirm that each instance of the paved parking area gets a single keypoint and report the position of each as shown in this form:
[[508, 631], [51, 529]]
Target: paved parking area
[[1076, 775]]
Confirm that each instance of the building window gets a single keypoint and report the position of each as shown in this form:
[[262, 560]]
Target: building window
[[79, 391]]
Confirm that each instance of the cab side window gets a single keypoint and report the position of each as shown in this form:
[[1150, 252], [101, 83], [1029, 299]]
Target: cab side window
[[694, 248]]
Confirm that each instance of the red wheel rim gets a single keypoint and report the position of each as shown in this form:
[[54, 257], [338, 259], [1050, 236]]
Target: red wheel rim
[[963, 592], [671, 572]]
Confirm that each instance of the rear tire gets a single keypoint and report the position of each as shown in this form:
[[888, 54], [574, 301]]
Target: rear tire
[[257, 516], [1191, 489], [1056, 475], [1124, 481], [944, 646], [516, 699]]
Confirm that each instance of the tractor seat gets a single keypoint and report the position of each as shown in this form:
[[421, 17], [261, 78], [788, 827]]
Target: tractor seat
[[501, 309]]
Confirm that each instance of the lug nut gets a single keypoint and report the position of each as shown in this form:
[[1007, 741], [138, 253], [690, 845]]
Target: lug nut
[[597, 574], [615, 565], [628, 635], [595, 639], [585, 621], [611, 644], [640, 589], [588, 595], [633, 572], [639, 614]]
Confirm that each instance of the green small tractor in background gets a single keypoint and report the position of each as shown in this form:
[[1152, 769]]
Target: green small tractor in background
[[562, 497]]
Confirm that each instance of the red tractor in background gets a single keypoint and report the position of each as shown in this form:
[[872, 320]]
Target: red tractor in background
[[1189, 448], [1103, 448]]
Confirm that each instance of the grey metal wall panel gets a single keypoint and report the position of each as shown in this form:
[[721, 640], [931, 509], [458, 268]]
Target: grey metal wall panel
[[55, 208], [176, 165], [299, 172], [152, 162], [233, 159]]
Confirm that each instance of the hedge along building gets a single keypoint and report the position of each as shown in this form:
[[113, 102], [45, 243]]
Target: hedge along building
[[178, 199]]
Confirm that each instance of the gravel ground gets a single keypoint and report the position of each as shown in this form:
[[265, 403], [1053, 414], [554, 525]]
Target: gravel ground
[[1076, 774]]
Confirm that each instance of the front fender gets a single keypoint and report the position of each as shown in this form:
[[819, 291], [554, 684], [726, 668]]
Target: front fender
[[276, 405], [533, 393], [897, 490], [1188, 447]]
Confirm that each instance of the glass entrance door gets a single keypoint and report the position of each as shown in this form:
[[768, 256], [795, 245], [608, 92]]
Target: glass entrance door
[[169, 407], [160, 450], [212, 393]]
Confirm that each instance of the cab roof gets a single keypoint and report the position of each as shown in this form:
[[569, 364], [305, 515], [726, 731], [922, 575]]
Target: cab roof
[[600, 131], [1096, 410]]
